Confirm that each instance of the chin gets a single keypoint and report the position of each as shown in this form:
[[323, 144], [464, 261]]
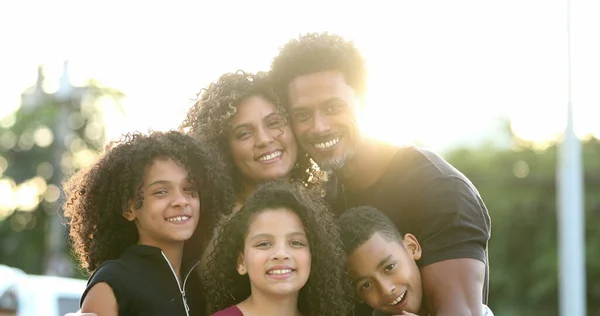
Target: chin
[[286, 289], [276, 175]]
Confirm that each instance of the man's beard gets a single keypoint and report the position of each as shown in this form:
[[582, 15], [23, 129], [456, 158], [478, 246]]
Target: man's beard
[[336, 164], [333, 165]]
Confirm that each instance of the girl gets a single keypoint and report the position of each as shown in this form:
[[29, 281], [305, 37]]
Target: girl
[[279, 255], [130, 216]]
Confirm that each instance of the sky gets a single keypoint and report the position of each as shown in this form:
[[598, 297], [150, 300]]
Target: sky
[[441, 73]]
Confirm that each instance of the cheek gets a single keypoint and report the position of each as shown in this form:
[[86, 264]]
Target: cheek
[[349, 120], [301, 129], [240, 151], [369, 297], [195, 202], [304, 258], [257, 259], [289, 141], [287, 137]]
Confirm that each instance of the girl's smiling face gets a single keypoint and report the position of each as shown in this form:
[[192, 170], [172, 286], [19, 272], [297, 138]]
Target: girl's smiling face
[[276, 253]]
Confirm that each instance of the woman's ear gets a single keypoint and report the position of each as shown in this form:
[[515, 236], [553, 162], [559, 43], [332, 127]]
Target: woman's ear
[[412, 246], [241, 266]]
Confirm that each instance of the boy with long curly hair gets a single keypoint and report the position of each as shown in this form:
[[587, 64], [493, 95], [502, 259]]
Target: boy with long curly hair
[[279, 255], [132, 213]]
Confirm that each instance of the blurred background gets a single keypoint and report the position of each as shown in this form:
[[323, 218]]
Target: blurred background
[[485, 84]]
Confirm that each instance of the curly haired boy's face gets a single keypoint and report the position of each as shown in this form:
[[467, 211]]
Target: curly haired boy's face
[[322, 107], [276, 253], [385, 275], [261, 142], [171, 208]]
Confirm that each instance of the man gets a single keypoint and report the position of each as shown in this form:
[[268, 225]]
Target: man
[[321, 79]]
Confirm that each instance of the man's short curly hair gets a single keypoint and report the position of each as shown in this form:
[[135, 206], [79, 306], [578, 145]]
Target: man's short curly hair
[[97, 197], [209, 119], [317, 52], [326, 291], [357, 225]]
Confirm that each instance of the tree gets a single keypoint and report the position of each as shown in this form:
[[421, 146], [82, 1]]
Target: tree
[[519, 188], [49, 136]]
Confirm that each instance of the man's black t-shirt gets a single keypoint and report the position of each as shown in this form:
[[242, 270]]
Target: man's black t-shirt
[[426, 196]]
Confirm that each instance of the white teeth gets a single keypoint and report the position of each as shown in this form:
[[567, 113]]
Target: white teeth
[[270, 156], [396, 301], [282, 271], [178, 219], [327, 144]]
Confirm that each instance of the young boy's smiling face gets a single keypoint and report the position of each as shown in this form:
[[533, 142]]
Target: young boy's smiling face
[[385, 275]]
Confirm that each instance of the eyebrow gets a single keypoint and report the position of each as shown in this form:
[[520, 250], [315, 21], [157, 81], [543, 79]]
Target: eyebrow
[[270, 235], [263, 119], [380, 264], [302, 106], [158, 182], [383, 261], [164, 182]]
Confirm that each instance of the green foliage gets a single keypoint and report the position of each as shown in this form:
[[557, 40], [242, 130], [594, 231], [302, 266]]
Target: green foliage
[[48, 137], [519, 189]]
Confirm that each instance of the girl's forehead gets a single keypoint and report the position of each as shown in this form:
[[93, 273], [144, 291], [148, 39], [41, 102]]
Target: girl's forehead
[[276, 221], [167, 169]]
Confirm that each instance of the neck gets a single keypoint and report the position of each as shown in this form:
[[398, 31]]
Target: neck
[[367, 165], [260, 304], [173, 252], [246, 188]]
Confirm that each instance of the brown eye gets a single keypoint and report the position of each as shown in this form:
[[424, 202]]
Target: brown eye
[[243, 135], [365, 286], [301, 116]]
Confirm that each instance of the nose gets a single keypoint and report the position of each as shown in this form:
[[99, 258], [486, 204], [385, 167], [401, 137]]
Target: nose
[[320, 124], [385, 288], [280, 252], [181, 198], [263, 137]]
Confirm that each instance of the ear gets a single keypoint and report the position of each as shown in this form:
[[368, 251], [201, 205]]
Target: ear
[[411, 244], [241, 266], [129, 214]]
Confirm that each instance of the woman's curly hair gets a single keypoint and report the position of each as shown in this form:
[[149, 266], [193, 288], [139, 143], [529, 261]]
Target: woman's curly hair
[[209, 119], [97, 197], [314, 52], [326, 292]]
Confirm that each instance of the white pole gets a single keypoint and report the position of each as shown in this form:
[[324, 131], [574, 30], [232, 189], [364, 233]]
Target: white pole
[[571, 233]]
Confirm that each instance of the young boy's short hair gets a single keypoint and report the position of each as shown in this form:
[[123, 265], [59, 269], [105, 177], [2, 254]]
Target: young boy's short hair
[[359, 224]]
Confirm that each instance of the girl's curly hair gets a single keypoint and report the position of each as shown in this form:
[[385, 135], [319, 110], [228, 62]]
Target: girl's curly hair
[[95, 198], [326, 292], [209, 118]]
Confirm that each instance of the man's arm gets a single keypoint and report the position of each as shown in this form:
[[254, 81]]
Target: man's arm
[[455, 229], [454, 287]]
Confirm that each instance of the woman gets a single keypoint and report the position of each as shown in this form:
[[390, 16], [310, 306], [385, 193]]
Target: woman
[[241, 115]]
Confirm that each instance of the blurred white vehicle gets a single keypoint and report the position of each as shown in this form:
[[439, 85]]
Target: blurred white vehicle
[[22, 294]]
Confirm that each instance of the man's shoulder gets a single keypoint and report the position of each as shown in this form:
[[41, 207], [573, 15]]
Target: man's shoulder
[[413, 168], [420, 161]]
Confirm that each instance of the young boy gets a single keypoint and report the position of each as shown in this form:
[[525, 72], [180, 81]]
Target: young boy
[[382, 263]]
